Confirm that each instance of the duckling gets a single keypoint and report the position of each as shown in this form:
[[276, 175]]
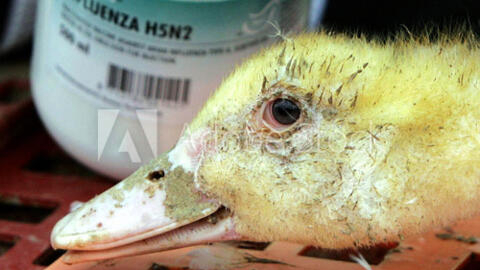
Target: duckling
[[322, 139]]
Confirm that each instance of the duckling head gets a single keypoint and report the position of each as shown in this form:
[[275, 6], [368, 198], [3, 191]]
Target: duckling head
[[322, 140]]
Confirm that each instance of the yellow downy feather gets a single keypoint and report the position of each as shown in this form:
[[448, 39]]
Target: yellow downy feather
[[389, 144]]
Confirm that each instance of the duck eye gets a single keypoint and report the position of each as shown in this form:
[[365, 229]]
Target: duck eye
[[280, 114], [285, 111]]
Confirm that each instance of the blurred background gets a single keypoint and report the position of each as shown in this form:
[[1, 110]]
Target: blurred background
[[39, 181], [372, 17]]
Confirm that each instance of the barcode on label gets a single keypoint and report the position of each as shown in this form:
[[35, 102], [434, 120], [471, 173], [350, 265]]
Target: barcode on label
[[149, 87]]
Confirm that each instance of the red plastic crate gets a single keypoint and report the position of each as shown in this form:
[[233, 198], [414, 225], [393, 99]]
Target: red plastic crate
[[34, 194]]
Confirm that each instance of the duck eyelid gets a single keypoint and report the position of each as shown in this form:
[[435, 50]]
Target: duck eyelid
[[266, 118]]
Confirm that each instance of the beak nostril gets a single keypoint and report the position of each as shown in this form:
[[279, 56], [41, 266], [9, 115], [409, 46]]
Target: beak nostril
[[155, 175]]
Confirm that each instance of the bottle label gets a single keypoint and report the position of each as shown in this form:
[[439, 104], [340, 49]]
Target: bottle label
[[167, 55]]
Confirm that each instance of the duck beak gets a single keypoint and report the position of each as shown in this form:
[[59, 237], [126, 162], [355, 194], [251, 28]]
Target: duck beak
[[156, 208]]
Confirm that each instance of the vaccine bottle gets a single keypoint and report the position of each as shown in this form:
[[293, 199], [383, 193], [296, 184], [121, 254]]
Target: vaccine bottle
[[116, 81]]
